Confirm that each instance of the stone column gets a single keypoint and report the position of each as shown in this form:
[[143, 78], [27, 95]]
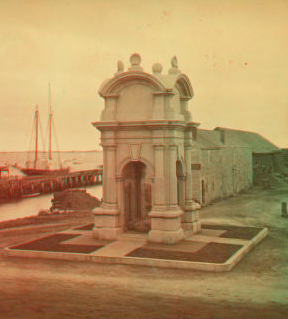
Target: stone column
[[190, 218], [109, 175], [172, 176], [165, 214], [107, 224], [181, 191], [159, 194], [120, 200]]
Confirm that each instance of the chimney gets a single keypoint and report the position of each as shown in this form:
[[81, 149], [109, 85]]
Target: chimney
[[222, 134], [222, 137]]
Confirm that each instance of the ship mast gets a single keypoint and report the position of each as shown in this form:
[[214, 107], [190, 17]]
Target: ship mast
[[36, 136], [50, 124]]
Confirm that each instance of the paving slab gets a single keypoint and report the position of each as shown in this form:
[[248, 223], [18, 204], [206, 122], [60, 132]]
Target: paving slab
[[118, 248]]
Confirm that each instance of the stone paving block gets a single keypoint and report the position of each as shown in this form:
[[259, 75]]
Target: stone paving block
[[118, 248]]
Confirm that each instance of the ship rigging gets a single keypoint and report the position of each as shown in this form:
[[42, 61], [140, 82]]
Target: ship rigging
[[41, 167]]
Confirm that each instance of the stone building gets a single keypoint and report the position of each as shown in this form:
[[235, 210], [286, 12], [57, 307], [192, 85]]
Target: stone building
[[158, 166], [281, 161], [219, 169], [227, 161], [266, 158]]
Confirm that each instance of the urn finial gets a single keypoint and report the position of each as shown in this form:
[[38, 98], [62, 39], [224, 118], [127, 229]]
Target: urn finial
[[120, 66], [157, 68], [174, 66], [135, 61]]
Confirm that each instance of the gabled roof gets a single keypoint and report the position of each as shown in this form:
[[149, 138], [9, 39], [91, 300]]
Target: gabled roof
[[252, 140], [208, 139]]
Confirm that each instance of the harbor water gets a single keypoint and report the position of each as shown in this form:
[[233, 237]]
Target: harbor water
[[30, 206]]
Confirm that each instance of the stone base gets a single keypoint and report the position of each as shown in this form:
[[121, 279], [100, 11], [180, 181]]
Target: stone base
[[190, 219], [107, 233], [166, 237], [166, 226], [193, 206], [191, 228], [107, 222]]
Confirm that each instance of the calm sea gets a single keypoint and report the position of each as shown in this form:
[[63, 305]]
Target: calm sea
[[30, 206], [75, 160]]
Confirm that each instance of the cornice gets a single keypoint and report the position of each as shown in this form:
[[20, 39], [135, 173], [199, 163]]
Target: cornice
[[140, 125]]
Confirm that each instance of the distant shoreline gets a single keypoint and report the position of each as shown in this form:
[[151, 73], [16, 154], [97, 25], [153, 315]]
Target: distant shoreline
[[89, 151], [76, 160]]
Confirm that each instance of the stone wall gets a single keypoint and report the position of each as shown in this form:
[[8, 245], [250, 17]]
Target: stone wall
[[224, 172]]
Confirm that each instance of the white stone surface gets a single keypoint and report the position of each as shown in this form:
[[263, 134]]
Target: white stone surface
[[146, 134]]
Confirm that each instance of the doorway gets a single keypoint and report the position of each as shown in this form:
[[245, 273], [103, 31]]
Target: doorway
[[180, 185], [137, 197], [203, 191]]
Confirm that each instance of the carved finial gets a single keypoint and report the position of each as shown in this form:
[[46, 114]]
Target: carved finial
[[135, 61], [174, 66], [174, 62], [120, 66], [157, 68]]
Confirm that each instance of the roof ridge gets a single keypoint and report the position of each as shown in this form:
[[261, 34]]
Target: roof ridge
[[218, 128]]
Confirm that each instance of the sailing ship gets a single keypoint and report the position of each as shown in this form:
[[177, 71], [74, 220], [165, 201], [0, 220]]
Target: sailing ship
[[39, 166]]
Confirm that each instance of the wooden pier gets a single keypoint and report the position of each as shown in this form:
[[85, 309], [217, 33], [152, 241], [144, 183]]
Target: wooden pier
[[44, 184]]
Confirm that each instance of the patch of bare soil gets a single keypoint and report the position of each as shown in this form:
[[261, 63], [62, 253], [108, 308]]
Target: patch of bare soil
[[74, 199], [52, 243], [210, 253], [235, 231]]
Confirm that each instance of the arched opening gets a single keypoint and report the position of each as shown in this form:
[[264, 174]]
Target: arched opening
[[180, 184], [203, 191], [137, 197]]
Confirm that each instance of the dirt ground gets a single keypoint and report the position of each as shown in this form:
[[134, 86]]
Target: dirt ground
[[256, 288]]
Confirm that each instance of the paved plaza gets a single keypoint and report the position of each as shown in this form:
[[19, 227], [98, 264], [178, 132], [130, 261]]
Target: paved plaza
[[214, 248]]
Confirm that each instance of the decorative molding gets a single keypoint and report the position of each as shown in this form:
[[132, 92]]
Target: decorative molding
[[135, 150], [120, 178], [110, 86], [140, 125], [195, 167], [110, 147]]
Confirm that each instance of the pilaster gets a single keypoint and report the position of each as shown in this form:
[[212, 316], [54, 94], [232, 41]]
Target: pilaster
[[107, 217], [172, 158], [190, 218], [165, 215], [159, 195]]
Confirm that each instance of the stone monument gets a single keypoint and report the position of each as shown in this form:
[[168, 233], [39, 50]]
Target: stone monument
[[146, 135]]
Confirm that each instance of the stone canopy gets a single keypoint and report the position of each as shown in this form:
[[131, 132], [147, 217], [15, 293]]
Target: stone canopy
[[146, 134], [138, 89]]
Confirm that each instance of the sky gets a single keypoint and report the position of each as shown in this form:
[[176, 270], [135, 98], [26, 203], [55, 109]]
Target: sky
[[234, 52]]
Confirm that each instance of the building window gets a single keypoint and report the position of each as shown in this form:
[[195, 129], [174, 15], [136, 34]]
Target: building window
[[208, 156]]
